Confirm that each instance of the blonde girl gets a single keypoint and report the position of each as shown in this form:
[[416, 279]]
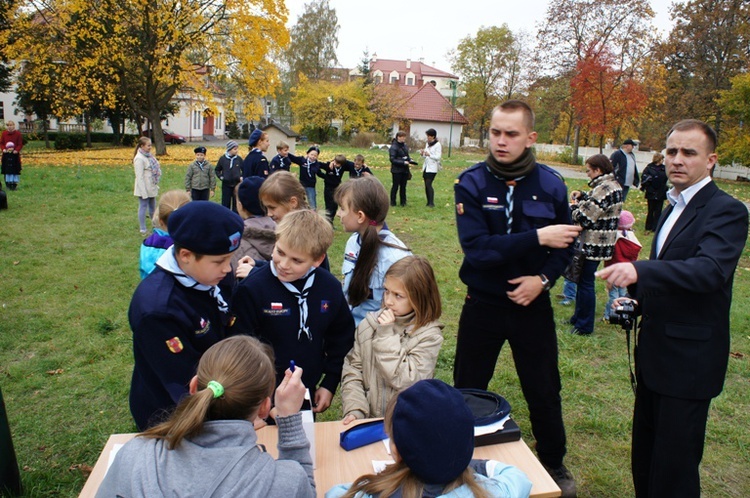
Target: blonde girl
[[372, 248], [432, 443], [158, 242], [208, 447], [396, 346], [147, 176]]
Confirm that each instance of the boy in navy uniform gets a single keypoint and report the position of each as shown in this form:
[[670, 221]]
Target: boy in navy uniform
[[513, 224], [299, 308], [281, 161], [178, 311], [360, 169], [229, 171], [332, 173]]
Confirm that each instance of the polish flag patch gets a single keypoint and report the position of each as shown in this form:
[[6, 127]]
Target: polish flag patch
[[492, 200], [277, 306]]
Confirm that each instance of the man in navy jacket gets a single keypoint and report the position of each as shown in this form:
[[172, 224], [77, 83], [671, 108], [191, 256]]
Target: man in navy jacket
[[684, 291]]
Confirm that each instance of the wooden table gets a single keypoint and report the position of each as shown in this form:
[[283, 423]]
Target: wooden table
[[335, 465]]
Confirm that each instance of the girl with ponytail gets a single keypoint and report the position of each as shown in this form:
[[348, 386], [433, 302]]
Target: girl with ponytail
[[208, 447], [372, 248]]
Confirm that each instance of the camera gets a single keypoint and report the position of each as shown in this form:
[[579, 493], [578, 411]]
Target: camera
[[623, 315]]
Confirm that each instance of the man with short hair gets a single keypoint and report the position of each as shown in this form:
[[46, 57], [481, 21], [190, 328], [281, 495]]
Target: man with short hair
[[514, 226], [626, 171], [684, 293]]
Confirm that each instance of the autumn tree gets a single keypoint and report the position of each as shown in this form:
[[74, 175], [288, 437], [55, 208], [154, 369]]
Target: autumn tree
[[574, 29], [149, 50], [312, 51], [6, 11], [735, 105], [604, 96], [319, 104], [709, 44], [490, 66]]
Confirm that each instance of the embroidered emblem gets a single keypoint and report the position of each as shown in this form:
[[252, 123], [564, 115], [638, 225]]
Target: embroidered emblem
[[277, 306], [205, 325], [456, 181], [460, 207], [492, 200], [234, 241], [351, 257], [324, 305], [174, 344]]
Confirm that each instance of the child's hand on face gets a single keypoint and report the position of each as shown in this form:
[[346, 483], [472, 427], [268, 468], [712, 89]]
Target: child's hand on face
[[290, 394], [386, 316]]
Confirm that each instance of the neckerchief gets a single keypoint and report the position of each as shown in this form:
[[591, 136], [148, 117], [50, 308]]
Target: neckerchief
[[521, 167], [307, 165], [301, 298], [154, 164], [169, 264], [201, 164]]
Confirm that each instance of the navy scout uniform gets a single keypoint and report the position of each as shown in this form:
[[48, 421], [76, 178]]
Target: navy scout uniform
[[269, 311], [492, 256]]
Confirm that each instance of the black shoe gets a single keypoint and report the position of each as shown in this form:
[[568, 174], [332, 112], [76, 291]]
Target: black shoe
[[564, 480], [576, 331], [393, 204]]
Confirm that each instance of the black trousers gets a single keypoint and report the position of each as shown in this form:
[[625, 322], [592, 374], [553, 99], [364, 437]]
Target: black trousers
[[654, 212], [429, 192], [200, 195], [530, 330], [328, 197], [667, 448], [399, 182], [227, 196]]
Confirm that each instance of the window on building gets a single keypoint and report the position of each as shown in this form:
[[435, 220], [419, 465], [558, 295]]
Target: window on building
[[378, 79], [2, 110], [410, 81], [394, 79]]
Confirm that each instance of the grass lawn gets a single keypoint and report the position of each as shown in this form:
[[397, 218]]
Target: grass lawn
[[69, 265]]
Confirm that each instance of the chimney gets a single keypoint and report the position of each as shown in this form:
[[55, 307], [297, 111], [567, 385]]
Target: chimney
[[408, 63]]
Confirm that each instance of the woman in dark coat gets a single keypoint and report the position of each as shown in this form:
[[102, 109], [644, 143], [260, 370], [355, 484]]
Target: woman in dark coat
[[654, 184]]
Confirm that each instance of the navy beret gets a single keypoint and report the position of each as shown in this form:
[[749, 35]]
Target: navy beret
[[206, 227], [433, 430], [315, 148], [628, 142], [247, 193], [255, 136], [201, 150]]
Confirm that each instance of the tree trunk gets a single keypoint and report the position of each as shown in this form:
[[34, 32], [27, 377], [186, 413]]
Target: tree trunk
[[87, 121], [45, 130], [157, 133], [576, 140]]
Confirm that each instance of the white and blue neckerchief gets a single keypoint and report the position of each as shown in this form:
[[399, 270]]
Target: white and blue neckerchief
[[169, 264], [301, 298]]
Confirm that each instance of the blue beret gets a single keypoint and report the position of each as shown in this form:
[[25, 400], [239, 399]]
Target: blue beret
[[433, 430], [206, 227], [255, 136], [315, 148], [247, 193]]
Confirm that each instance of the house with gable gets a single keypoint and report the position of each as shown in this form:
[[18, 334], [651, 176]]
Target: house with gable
[[427, 93]]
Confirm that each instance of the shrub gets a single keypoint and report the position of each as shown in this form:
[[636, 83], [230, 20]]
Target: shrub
[[365, 139], [69, 141], [129, 140], [233, 131], [566, 156]]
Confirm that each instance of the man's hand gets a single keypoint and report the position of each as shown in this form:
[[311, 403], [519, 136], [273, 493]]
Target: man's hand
[[323, 398], [558, 236], [528, 289], [619, 275]]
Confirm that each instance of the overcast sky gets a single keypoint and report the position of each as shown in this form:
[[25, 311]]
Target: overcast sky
[[402, 29]]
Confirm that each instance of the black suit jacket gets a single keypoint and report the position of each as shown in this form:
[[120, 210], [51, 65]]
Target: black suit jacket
[[685, 294]]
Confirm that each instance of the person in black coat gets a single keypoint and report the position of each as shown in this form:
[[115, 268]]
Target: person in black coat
[[684, 294], [400, 161], [654, 184]]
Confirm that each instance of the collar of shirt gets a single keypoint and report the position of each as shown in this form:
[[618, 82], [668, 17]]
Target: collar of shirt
[[686, 195]]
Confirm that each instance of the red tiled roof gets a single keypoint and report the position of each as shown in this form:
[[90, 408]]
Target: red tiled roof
[[427, 104], [420, 69]]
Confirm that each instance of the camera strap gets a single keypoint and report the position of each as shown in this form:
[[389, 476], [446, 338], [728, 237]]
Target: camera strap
[[633, 382]]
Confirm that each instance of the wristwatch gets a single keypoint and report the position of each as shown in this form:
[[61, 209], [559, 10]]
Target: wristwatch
[[545, 282]]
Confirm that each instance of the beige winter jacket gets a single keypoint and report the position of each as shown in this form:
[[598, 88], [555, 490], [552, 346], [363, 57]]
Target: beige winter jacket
[[145, 186], [384, 360]]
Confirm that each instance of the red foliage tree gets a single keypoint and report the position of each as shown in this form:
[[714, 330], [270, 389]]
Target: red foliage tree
[[604, 96]]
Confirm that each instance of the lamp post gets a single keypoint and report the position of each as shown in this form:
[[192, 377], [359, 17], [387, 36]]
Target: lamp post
[[453, 84]]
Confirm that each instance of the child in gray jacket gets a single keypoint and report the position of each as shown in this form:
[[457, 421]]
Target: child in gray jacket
[[208, 447]]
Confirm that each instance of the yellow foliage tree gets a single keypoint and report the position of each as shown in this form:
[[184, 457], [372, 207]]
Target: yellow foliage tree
[[148, 50], [318, 104]]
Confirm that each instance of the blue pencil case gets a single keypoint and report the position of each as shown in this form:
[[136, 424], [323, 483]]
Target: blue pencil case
[[363, 434]]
